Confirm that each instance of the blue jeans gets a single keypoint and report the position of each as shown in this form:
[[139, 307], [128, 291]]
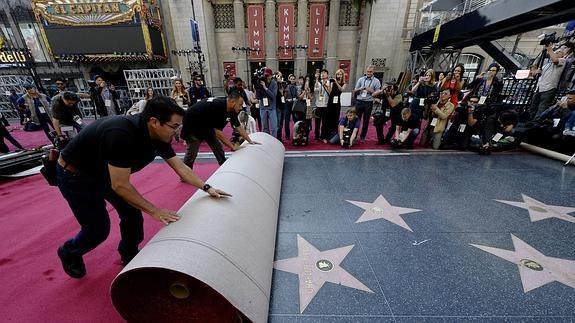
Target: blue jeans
[[269, 120], [87, 198]]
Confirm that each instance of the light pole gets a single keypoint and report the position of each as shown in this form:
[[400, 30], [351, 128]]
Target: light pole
[[247, 51], [294, 48], [199, 49], [190, 53]]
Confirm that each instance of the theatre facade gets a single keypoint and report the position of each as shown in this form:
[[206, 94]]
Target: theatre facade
[[293, 36]]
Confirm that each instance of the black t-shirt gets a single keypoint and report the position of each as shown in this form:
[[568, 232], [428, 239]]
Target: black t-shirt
[[121, 141], [205, 116], [64, 113], [411, 123]]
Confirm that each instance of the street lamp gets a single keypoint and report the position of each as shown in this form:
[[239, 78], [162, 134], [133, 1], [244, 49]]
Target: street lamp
[[190, 53], [247, 51]]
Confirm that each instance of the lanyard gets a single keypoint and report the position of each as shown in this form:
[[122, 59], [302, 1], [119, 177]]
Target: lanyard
[[365, 79]]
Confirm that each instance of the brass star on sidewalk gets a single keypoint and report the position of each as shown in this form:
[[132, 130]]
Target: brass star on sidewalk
[[381, 209], [540, 211], [315, 267], [535, 268]]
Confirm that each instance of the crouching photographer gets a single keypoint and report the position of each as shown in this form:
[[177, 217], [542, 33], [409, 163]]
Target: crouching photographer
[[347, 130], [497, 134], [405, 131]]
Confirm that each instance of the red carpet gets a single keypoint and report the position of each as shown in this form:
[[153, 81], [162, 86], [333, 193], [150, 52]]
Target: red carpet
[[35, 220], [38, 138]]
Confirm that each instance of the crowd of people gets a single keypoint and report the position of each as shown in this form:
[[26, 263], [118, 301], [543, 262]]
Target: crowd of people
[[94, 161], [442, 113]]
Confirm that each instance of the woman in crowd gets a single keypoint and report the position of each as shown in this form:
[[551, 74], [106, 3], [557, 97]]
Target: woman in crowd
[[421, 90], [255, 105], [322, 90], [338, 85], [486, 86], [307, 95], [180, 94], [454, 83], [139, 106]]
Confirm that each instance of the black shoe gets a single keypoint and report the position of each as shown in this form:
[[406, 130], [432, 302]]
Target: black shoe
[[127, 258], [73, 265]]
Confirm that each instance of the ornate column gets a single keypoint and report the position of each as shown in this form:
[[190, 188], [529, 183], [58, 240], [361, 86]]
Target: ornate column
[[331, 59], [301, 38], [271, 35], [240, 38], [361, 63]]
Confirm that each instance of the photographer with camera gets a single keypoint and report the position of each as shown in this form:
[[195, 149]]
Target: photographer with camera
[[266, 92], [388, 107], [405, 131], [440, 113], [364, 89], [550, 76], [487, 86], [66, 117], [422, 89], [322, 91], [347, 130], [497, 133]]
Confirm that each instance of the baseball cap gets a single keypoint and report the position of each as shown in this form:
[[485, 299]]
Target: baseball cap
[[268, 71]]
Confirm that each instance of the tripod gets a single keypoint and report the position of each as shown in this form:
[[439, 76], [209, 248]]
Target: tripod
[[570, 159]]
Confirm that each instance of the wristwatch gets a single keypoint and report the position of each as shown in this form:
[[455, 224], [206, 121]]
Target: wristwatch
[[206, 187]]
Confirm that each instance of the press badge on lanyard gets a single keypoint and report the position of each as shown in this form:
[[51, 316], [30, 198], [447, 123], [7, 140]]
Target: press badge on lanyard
[[335, 99], [108, 103], [433, 122], [41, 109], [266, 102]]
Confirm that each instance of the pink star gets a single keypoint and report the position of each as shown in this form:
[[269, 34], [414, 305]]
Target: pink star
[[315, 267], [535, 268], [381, 209], [540, 211]]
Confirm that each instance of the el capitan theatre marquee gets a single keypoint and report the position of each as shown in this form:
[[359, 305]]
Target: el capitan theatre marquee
[[101, 30]]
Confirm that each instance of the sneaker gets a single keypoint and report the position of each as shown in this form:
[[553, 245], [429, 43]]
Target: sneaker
[[73, 265]]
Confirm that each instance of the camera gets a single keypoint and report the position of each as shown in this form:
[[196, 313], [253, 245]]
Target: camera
[[346, 138], [547, 39], [432, 98]]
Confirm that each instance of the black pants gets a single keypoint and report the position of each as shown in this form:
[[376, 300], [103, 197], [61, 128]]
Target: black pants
[[364, 111], [255, 112], [4, 133], [194, 146], [87, 198]]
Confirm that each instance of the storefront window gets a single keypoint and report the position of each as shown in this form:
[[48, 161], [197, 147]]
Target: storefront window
[[33, 42]]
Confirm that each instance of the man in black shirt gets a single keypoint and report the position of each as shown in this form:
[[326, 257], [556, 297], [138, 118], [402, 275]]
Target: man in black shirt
[[65, 114], [95, 167], [406, 130], [206, 119]]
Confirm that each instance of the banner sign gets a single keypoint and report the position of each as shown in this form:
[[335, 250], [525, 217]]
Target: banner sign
[[195, 35], [85, 13], [317, 14], [286, 25], [256, 36]]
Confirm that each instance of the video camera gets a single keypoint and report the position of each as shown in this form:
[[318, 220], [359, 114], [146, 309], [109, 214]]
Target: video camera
[[432, 98], [546, 39]]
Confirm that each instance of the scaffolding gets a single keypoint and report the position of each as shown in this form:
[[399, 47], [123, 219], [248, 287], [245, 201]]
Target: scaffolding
[[160, 80], [8, 83]]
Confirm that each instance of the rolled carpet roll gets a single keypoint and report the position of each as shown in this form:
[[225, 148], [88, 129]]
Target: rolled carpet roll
[[215, 264]]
